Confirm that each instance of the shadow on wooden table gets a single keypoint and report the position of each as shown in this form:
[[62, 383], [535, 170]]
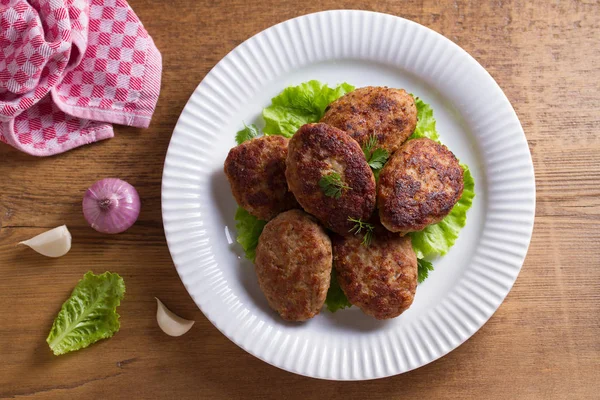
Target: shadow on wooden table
[[238, 374]]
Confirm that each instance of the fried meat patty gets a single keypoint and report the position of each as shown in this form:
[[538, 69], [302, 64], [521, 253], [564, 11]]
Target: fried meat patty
[[319, 150], [256, 172], [389, 114], [418, 186], [293, 264], [381, 278]]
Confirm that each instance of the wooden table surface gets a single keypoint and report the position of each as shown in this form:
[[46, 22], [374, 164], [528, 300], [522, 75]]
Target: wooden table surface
[[543, 342]]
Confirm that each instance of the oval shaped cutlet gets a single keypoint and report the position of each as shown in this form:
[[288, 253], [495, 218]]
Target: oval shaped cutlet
[[380, 279], [418, 186], [318, 150], [256, 172], [389, 114], [293, 265]]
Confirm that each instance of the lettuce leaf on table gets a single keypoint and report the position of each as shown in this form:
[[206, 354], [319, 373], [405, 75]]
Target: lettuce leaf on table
[[89, 315]]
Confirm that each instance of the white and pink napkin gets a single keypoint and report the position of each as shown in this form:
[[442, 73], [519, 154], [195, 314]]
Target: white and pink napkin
[[71, 68]]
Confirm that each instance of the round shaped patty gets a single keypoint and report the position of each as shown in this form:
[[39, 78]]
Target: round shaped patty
[[389, 114], [256, 172], [317, 151], [381, 278], [293, 265], [418, 186]]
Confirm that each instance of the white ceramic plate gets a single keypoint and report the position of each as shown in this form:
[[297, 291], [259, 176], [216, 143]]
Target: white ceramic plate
[[474, 119]]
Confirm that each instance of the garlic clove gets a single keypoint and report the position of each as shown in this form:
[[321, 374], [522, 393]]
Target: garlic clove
[[171, 324], [53, 243]]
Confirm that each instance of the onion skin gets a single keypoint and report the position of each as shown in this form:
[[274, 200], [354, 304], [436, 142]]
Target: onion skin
[[111, 205]]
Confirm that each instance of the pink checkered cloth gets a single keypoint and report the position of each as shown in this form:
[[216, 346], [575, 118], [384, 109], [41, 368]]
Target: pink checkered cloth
[[71, 68]]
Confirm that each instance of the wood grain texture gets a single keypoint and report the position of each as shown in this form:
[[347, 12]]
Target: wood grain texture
[[543, 342]]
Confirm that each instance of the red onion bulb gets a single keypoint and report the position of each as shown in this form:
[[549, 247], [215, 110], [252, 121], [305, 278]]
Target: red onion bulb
[[111, 205]]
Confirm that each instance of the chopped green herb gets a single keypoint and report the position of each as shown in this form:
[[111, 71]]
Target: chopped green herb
[[359, 226], [424, 268], [249, 132], [332, 185], [368, 147], [376, 157], [367, 238]]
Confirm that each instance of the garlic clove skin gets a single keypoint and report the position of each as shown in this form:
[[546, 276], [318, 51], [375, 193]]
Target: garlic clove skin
[[171, 323], [53, 243]]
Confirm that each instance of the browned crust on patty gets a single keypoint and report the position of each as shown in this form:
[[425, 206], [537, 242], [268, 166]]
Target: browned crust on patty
[[256, 172], [418, 186], [293, 265], [317, 150], [380, 279], [390, 114]]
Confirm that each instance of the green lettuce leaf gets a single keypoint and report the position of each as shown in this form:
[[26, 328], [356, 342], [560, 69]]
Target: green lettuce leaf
[[436, 240], [336, 299], [249, 132], [248, 229], [425, 122], [89, 315], [299, 105]]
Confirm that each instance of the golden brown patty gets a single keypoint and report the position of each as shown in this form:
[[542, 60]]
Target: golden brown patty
[[293, 265], [256, 172], [418, 186], [317, 150], [380, 278], [389, 114]]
